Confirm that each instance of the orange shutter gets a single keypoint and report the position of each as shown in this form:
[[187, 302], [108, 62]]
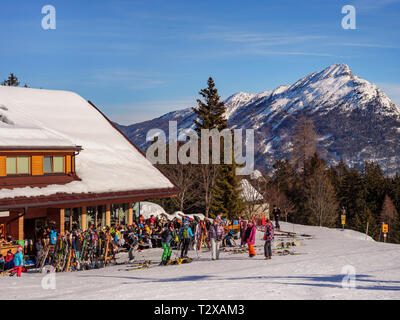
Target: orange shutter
[[67, 164], [37, 165], [3, 170]]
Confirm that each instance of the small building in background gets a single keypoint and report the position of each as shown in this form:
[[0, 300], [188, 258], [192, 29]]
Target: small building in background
[[254, 201]]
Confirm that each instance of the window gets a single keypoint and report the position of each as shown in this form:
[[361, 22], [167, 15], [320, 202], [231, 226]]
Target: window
[[11, 165], [72, 219], [48, 164], [58, 164], [119, 213], [17, 165], [23, 165], [53, 164], [67, 219]]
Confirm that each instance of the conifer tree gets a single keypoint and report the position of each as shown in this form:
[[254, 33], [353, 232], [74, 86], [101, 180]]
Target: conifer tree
[[227, 192], [210, 112], [210, 115], [12, 81]]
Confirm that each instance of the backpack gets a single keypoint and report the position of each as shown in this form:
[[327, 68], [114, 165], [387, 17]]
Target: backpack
[[220, 232], [185, 233]]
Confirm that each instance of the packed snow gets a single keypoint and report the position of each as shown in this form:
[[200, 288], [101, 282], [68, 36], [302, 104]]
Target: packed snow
[[317, 271], [107, 163]]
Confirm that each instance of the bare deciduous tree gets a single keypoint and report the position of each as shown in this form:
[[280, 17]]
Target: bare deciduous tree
[[321, 199], [304, 143], [388, 213]]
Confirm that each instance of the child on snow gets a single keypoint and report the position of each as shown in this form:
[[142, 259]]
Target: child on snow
[[18, 262]]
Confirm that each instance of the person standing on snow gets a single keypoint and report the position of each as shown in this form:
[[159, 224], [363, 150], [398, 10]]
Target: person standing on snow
[[197, 235], [243, 227], [276, 212], [185, 234], [215, 236], [166, 238], [249, 237], [133, 243], [18, 262], [268, 237]]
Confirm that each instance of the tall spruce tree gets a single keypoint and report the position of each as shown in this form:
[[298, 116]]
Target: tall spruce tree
[[210, 112], [210, 115]]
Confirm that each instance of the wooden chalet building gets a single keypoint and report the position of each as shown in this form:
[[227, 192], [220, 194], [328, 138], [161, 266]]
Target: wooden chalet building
[[63, 161]]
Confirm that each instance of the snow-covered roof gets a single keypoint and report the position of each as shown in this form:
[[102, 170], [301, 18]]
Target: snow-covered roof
[[256, 174], [249, 193], [147, 209], [179, 213], [199, 215], [108, 161]]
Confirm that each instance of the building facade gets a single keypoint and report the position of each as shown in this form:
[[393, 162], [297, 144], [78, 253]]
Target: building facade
[[63, 163]]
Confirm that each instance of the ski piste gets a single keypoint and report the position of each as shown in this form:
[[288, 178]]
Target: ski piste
[[147, 264]]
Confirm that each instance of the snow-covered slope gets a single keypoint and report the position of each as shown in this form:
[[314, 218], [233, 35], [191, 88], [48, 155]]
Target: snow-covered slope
[[315, 272], [356, 121]]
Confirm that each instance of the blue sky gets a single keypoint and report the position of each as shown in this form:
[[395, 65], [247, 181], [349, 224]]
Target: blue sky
[[137, 60]]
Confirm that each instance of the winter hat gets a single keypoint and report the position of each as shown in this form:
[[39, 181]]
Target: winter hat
[[20, 248]]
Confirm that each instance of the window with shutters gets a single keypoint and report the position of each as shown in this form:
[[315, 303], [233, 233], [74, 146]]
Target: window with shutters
[[36, 168]]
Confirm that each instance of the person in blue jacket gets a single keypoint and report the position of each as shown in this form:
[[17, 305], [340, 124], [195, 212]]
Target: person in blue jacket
[[185, 234], [53, 236], [18, 262]]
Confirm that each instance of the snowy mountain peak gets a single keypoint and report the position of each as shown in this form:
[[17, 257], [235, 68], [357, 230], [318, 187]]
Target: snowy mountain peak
[[356, 120], [336, 70], [240, 99]]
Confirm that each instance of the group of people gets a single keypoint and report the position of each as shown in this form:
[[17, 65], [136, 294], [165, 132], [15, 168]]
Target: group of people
[[214, 234], [12, 262], [6, 239], [179, 233]]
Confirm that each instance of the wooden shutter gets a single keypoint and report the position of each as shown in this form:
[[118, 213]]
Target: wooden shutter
[[3, 169], [37, 165], [68, 164]]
